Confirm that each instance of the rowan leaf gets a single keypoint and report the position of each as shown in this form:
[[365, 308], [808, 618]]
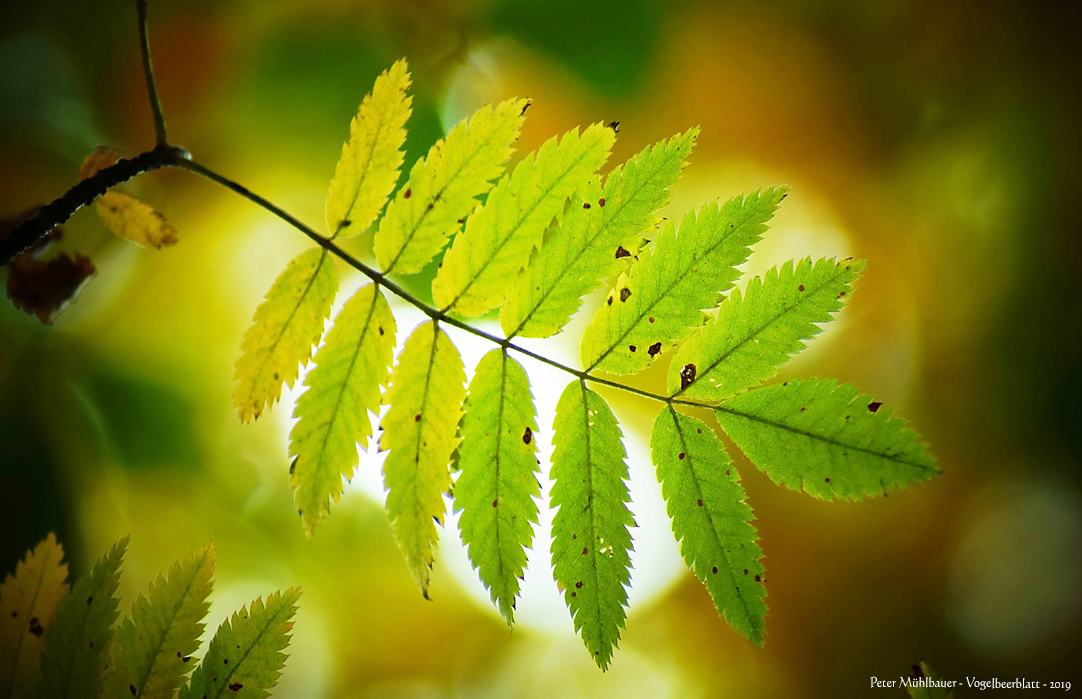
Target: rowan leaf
[[826, 439], [77, 641], [443, 187], [368, 169], [499, 237], [153, 647], [45, 288], [591, 540], [28, 602], [710, 518], [755, 333], [332, 415], [426, 393], [285, 327], [661, 299], [498, 482], [245, 657], [126, 215], [596, 238]]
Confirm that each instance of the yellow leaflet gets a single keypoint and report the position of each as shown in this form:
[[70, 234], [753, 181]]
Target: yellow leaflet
[[368, 168], [285, 327], [343, 388], [483, 261], [442, 186], [127, 216], [426, 394], [27, 606]]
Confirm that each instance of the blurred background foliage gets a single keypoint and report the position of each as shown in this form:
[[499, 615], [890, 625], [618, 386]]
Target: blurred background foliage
[[938, 140]]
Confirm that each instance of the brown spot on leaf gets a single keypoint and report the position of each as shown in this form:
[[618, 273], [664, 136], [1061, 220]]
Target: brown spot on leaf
[[700, 503], [578, 585], [745, 571], [572, 593], [417, 417], [715, 569], [874, 406], [681, 456], [610, 300], [407, 193], [494, 502], [601, 202], [625, 294], [757, 579], [586, 205], [620, 251], [800, 288], [89, 600], [527, 436], [828, 480], [841, 294], [380, 328], [687, 375], [236, 686], [654, 350], [461, 221], [35, 626], [632, 348], [651, 319], [585, 551], [186, 658]]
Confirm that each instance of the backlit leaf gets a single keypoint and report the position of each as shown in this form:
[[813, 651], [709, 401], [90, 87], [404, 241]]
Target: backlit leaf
[[332, 415], [499, 237], [285, 327], [443, 187], [498, 481], [123, 214], [77, 642], [368, 169], [710, 518], [662, 298], [591, 540], [755, 333], [826, 439], [151, 656], [596, 238], [245, 657], [419, 429], [28, 602]]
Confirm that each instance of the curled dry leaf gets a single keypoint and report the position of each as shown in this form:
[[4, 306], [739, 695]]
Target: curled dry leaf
[[123, 214], [45, 288]]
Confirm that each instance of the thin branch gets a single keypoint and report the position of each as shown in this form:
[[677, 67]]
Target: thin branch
[[148, 71], [60, 210], [382, 280]]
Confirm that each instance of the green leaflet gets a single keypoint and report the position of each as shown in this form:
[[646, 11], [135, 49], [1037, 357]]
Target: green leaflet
[[285, 327], [590, 537], [426, 393], [755, 333], [710, 518], [343, 387], [442, 187], [164, 629], [28, 602], [245, 656], [500, 236], [661, 299], [927, 692], [368, 169], [77, 641], [826, 439], [595, 239], [498, 481]]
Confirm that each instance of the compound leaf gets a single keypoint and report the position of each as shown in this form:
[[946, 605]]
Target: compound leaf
[[245, 656], [499, 237], [755, 333], [343, 387], [150, 657], [28, 602], [498, 482], [285, 327], [710, 518], [596, 238], [368, 169], [661, 299], [591, 539], [425, 395], [826, 439], [77, 641], [443, 187]]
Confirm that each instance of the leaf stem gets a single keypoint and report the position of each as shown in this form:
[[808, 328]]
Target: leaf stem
[[148, 72]]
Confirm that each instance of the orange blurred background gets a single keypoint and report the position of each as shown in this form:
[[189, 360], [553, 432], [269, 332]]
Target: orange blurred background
[[937, 140]]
